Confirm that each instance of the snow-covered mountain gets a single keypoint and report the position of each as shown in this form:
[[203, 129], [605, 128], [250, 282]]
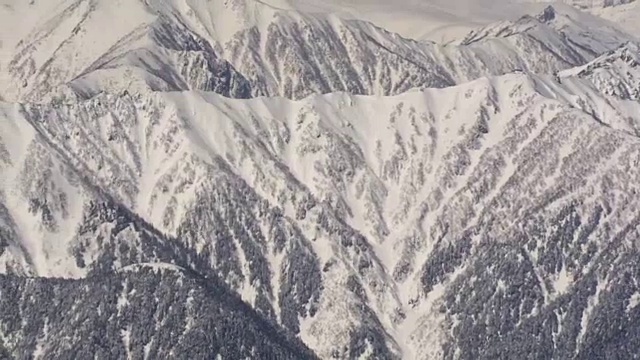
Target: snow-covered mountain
[[212, 321], [615, 73], [375, 214], [445, 20], [244, 48], [373, 196]]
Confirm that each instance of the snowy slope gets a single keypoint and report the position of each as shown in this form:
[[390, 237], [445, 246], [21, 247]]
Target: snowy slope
[[336, 215], [615, 73], [375, 196], [193, 317], [171, 45]]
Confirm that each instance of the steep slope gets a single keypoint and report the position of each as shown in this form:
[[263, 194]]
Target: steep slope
[[154, 310], [362, 223], [615, 73], [172, 45], [244, 48], [143, 50], [491, 219]]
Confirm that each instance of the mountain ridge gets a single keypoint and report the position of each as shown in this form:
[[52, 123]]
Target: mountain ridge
[[245, 136], [455, 220], [288, 54]]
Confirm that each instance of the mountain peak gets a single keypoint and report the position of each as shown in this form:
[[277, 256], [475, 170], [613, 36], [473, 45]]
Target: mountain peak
[[548, 14]]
